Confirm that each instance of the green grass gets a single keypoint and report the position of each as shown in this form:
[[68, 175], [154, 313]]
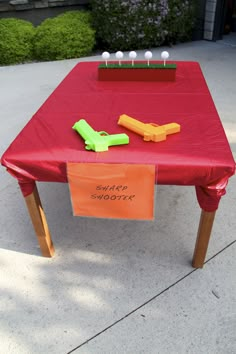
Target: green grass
[[137, 66]]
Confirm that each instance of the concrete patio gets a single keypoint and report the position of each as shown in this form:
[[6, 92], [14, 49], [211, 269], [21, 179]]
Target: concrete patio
[[116, 286]]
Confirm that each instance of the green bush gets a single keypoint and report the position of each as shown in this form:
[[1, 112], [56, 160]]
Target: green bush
[[180, 21], [137, 24], [69, 35], [82, 16], [15, 41]]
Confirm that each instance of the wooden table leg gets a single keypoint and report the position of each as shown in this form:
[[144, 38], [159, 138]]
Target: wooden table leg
[[39, 221], [203, 237]]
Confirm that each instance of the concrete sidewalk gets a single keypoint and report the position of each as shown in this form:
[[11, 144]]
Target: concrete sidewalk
[[116, 286]]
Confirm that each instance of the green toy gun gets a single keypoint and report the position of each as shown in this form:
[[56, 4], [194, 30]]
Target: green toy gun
[[98, 141]]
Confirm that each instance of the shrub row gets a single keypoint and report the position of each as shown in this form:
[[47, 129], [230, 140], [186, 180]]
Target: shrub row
[[117, 25], [141, 24], [69, 35], [15, 41]]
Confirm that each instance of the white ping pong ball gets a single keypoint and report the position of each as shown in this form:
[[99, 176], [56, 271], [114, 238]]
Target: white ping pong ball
[[132, 54], [119, 55], [165, 55], [148, 55], [105, 55]]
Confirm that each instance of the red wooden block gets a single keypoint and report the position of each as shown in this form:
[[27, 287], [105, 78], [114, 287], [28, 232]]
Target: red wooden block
[[136, 74]]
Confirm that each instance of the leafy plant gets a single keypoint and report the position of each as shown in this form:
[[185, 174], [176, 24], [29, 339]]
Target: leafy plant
[[69, 35], [82, 16], [15, 41], [136, 24], [180, 21]]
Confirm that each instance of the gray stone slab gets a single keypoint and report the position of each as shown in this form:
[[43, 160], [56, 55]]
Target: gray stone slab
[[196, 315]]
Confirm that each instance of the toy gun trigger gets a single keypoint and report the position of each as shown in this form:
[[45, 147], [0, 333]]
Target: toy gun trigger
[[88, 145], [147, 136], [150, 137], [103, 133], [98, 141]]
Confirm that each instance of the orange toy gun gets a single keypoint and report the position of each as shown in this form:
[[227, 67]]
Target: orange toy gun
[[149, 131]]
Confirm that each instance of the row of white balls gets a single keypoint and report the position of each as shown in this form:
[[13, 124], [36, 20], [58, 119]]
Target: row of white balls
[[132, 55]]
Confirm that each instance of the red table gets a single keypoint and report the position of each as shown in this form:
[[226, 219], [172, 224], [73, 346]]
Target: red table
[[199, 156]]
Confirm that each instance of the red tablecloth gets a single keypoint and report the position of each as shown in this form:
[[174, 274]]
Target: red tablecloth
[[200, 155]]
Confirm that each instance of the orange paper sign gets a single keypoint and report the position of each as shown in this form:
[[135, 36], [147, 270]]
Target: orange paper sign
[[123, 191]]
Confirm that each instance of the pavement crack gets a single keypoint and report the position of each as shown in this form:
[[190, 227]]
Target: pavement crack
[[152, 299], [133, 311], [223, 249], [215, 293]]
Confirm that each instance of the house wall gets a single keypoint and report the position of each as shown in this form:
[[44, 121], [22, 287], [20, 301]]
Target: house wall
[[210, 15], [38, 10], [198, 32], [220, 18]]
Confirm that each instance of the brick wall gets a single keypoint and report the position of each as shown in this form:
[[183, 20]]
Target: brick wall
[[209, 23]]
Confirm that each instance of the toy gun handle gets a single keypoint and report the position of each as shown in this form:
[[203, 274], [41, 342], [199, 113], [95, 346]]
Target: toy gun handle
[[87, 133], [98, 141], [132, 124], [149, 131]]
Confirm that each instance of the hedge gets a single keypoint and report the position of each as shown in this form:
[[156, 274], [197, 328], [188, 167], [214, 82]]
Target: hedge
[[16, 41], [137, 24], [69, 35]]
